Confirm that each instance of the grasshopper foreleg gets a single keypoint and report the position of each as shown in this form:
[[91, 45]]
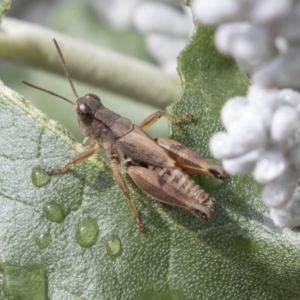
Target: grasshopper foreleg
[[123, 187], [153, 118], [81, 157]]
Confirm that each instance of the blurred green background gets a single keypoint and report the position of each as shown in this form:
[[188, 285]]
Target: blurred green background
[[81, 20]]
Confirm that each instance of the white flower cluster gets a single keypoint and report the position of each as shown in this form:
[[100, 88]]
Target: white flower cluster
[[263, 138], [117, 13], [262, 35], [263, 128], [167, 26]]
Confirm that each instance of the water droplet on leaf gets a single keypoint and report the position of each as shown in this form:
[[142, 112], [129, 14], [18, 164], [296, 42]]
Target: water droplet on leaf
[[43, 241], [39, 176], [113, 245], [87, 232], [54, 212]]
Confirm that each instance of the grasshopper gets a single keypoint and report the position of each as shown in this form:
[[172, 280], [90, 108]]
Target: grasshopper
[[157, 166]]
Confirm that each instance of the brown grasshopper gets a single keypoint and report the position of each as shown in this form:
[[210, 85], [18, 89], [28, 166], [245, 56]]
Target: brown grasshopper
[[157, 166]]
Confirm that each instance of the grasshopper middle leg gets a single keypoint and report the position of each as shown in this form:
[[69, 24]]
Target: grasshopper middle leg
[[153, 118]]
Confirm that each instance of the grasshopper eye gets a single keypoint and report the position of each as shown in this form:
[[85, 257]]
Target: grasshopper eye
[[88, 104], [83, 109], [84, 114]]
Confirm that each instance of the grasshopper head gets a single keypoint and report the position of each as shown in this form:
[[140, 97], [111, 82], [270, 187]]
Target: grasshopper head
[[86, 107]]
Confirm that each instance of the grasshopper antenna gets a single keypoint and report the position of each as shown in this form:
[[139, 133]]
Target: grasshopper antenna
[[47, 91], [63, 62]]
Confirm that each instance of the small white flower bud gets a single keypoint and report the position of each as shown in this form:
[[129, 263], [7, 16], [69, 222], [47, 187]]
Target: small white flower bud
[[270, 166], [248, 132], [227, 34], [246, 42], [290, 97], [289, 215], [277, 193], [232, 109], [163, 47], [269, 10], [161, 18], [242, 164], [220, 145], [259, 95], [217, 11], [281, 72], [262, 112], [284, 123]]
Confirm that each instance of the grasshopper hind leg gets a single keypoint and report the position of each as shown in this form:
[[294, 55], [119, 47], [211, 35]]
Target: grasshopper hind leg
[[188, 160], [172, 186]]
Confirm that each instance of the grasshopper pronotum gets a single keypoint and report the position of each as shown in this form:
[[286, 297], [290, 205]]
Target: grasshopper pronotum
[[157, 166]]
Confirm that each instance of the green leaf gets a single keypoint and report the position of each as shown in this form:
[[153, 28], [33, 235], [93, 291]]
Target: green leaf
[[79, 234], [247, 256]]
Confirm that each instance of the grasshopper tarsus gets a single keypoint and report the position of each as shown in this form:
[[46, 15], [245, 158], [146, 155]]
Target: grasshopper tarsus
[[158, 167], [218, 172], [141, 227], [191, 117], [49, 171], [184, 118]]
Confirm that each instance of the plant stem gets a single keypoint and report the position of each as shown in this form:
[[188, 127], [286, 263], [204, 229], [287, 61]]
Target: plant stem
[[32, 45]]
